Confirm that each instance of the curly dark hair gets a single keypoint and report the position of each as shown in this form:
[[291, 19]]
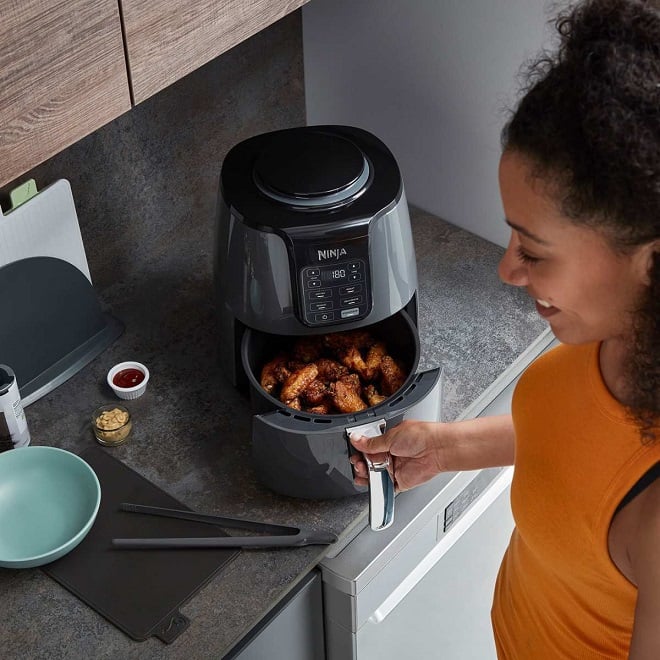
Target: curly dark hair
[[589, 122]]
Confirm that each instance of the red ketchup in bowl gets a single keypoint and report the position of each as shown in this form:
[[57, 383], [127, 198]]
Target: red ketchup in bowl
[[128, 378]]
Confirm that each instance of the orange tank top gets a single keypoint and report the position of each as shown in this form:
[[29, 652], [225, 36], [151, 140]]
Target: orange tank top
[[558, 594]]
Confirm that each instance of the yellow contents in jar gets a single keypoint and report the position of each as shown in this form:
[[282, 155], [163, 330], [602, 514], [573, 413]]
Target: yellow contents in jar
[[112, 426]]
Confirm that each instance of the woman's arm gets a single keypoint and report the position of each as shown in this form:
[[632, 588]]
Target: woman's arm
[[644, 552], [420, 450]]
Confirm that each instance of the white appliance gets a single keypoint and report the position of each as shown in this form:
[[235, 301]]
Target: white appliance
[[423, 588]]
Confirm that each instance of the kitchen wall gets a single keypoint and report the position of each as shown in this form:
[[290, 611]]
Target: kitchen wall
[[433, 80], [145, 185]]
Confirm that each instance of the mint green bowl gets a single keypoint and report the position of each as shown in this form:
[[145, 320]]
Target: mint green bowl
[[49, 499]]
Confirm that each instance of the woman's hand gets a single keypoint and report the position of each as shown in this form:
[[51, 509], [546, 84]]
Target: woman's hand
[[413, 449], [420, 450]]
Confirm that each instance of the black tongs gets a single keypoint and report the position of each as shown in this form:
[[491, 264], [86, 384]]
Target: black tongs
[[274, 535]]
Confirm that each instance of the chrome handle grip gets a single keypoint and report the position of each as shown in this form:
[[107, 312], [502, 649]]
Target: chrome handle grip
[[381, 495], [381, 486]]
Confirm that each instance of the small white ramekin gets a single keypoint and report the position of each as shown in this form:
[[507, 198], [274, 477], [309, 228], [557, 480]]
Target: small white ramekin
[[128, 392]]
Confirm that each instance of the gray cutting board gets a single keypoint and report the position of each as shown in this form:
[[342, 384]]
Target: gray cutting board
[[139, 591], [44, 226]]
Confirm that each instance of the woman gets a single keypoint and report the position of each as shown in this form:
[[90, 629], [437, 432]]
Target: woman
[[580, 186]]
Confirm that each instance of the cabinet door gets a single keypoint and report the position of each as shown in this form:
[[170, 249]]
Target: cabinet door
[[63, 75], [293, 632], [166, 39], [446, 615]]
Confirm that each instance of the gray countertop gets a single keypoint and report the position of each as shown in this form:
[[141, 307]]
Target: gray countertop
[[191, 436]]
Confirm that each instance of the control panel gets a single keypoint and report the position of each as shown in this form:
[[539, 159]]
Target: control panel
[[332, 293]]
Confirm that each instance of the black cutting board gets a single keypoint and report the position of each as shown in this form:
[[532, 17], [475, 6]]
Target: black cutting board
[[139, 591]]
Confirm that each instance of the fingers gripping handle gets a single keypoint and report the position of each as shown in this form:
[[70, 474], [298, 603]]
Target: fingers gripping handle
[[381, 486]]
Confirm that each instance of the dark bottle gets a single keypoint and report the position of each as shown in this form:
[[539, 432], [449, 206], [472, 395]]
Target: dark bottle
[[14, 430]]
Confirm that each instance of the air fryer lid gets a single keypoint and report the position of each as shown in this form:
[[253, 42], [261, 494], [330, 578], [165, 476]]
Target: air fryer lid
[[308, 176], [311, 168]]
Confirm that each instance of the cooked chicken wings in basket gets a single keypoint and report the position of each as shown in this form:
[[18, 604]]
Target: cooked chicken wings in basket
[[340, 372]]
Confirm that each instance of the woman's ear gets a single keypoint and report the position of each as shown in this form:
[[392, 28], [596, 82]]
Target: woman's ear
[[645, 258]]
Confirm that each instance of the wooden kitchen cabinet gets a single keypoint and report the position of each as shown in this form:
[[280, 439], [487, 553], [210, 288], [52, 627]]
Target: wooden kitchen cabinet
[[63, 75], [67, 69], [167, 39]]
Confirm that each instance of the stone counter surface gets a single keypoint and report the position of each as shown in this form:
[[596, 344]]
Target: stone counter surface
[[191, 436]]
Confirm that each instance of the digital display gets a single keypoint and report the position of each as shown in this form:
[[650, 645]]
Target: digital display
[[336, 275], [348, 272]]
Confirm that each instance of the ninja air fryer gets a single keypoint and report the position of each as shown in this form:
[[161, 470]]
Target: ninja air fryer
[[314, 238]]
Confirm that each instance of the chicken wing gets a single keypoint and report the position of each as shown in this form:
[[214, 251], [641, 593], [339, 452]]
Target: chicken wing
[[372, 396], [298, 381], [392, 375], [352, 359], [315, 393], [345, 397], [353, 381], [372, 360], [274, 373], [330, 370]]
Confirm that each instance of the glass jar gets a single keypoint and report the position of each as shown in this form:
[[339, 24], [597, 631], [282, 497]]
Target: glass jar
[[112, 424]]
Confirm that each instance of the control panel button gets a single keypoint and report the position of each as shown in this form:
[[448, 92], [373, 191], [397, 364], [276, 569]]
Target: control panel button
[[312, 272], [350, 290], [320, 306], [319, 294], [313, 283], [324, 317], [348, 313], [351, 302], [354, 277]]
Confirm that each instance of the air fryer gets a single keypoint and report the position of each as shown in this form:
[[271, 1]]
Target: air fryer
[[314, 237]]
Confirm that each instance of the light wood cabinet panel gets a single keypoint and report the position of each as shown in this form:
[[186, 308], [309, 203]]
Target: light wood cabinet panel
[[62, 75], [167, 39]]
